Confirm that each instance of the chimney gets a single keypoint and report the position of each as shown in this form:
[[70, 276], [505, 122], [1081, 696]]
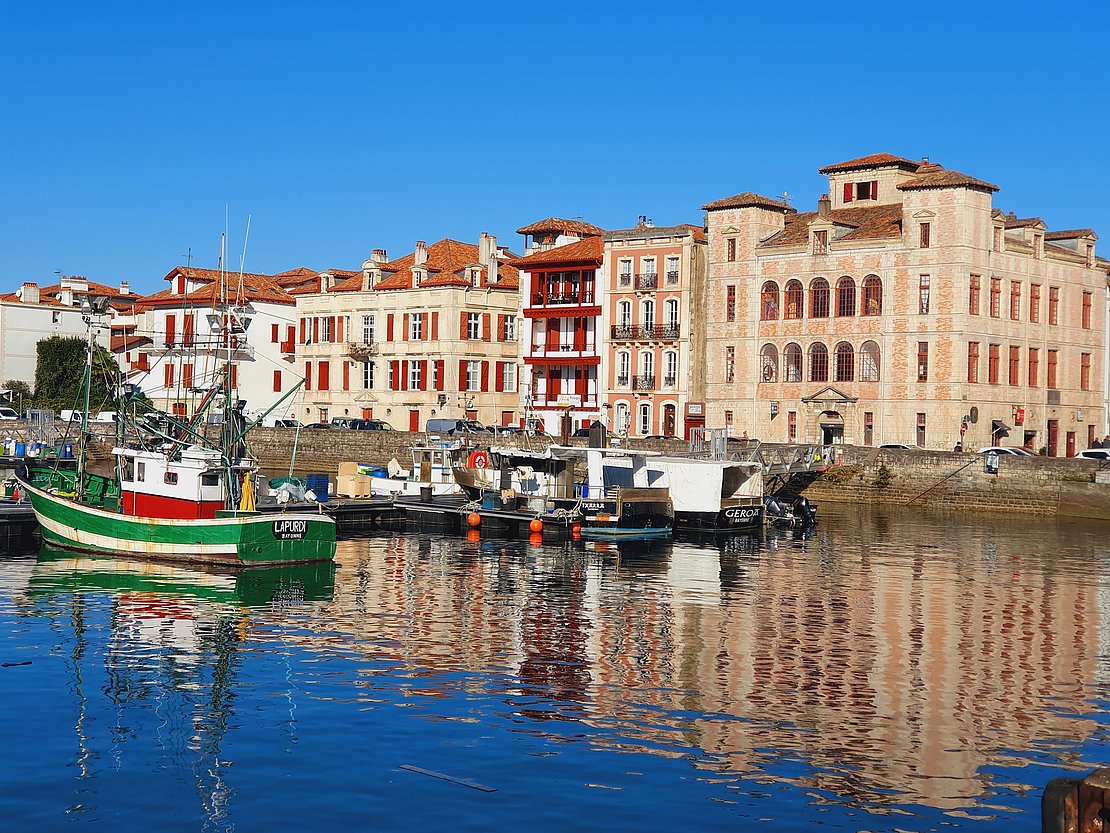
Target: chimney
[[378, 256], [420, 256], [487, 256], [641, 221], [824, 206], [28, 293], [124, 288]]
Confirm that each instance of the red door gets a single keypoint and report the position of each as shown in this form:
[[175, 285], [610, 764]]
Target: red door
[[414, 420], [1070, 444]]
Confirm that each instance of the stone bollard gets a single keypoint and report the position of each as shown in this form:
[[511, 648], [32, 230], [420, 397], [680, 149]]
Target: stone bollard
[[1071, 805]]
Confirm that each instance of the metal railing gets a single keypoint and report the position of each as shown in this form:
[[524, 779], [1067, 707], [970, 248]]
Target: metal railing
[[648, 280], [634, 332], [643, 382]]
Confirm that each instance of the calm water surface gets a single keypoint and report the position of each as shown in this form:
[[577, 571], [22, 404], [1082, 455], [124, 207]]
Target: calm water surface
[[891, 671]]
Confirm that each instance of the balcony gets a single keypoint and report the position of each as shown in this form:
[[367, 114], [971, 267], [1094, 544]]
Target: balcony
[[576, 299], [649, 280], [668, 381], [632, 332], [672, 278], [288, 347], [361, 350], [643, 382], [622, 381], [624, 280]]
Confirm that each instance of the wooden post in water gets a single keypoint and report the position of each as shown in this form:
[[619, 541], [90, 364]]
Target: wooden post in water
[[1071, 805]]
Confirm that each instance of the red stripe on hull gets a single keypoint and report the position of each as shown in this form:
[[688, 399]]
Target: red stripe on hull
[[172, 508]]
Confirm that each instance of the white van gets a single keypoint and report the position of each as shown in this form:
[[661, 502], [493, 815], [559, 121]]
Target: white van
[[9, 413]]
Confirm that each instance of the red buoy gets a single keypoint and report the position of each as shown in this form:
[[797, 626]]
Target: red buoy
[[535, 539], [473, 536], [474, 519], [576, 529], [536, 525]]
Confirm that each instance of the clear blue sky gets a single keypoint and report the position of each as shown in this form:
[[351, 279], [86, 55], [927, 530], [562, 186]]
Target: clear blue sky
[[344, 127]]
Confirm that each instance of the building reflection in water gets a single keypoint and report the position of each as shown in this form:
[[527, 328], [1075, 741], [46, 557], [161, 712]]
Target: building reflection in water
[[892, 669]]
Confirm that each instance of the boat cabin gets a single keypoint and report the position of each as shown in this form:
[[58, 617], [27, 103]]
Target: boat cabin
[[151, 485]]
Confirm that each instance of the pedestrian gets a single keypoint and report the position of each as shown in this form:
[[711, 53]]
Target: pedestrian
[[959, 447], [1097, 443]]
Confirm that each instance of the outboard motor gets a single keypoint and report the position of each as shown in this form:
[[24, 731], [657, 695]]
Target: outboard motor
[[776, 512], [804, 511]]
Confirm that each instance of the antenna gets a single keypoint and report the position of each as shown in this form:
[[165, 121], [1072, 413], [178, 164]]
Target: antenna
[[786, 198], [188, 257]]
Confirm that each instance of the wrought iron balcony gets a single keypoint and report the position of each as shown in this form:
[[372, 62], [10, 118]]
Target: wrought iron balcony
[[672, 277], [648, 280], [622, 381], [633, 332], [361, 350], [624, 280], [668, 381], [643, 382], [581, 298]]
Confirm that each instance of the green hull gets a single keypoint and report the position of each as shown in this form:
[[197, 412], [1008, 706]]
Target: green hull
[[251, 540]]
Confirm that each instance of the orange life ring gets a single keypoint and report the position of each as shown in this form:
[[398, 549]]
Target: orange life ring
[[478, 460]]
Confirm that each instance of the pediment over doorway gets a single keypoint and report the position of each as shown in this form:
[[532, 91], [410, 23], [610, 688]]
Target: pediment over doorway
[[829, 396]]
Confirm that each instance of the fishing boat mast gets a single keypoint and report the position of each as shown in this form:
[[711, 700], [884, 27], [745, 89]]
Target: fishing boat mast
[[92, 308]]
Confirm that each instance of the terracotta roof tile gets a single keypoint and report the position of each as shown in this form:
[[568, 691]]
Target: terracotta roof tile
[[446, 263], [866, 223], [588, 250], [255, 288], [1070, 234], [578, 227], [682, 229], [118, 344], [746, 200], [875, 160], [934, 176], [44, 300], [1013, 221]]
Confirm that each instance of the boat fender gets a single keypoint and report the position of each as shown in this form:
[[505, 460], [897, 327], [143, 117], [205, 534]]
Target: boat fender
[[478, 460]]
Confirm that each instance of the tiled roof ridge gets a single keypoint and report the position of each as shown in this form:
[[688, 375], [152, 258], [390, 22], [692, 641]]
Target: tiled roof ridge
[[874, 160], [560, 224], [747, 199]]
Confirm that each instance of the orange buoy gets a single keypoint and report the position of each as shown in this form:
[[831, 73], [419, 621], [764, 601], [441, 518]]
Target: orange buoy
[[474, 519], [536, 525], [576, 534], [535, 539], [473, 536], [576, 529], [478, 460]]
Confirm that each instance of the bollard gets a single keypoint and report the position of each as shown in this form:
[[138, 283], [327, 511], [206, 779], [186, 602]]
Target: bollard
[[1071, 805]]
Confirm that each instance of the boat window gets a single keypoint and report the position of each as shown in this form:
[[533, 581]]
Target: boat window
[[140, 469], [127, 470], [210, 478], [170, 478]]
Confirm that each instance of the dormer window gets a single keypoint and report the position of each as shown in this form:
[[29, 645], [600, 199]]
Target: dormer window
[[1038, 245], [416, 277], [475, 277], [821, 242], [861, 190]]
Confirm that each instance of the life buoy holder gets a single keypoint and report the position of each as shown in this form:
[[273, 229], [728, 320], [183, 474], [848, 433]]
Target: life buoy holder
[[478, 460]]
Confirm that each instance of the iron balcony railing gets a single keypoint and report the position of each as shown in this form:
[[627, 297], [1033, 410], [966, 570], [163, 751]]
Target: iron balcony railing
[[672, 277], [634, 332], [643, 382], [622, 381], [563, 298], [648, 280]]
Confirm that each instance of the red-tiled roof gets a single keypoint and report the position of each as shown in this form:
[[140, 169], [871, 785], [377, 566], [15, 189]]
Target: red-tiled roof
[[579, 227], [1070, 234], [588, 250], [299, 272], [875, 160], [44, 300], [934, 176], [1013, 221], [94, 287], [866, 223], [697, 232], [446, 263], [254, 288], [746, 200], [119, 344]]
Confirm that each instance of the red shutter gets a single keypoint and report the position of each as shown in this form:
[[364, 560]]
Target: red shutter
[[462, 325], [462, 374], [277, 381], [389, 327], [315, 330], [346, 375], [847, 192], [423, 326], [234, 375], [440, 370], [435, 326], [405, 327], [485, 326], [499, 375], [874, 189], [323, 376], [423, 375], [171, 327], [308, 375], [331, 329], [485, 376], [501, 327], [302, 330], [339, 328], [404, 376], [396, 375], [274, 333], [168, 376]]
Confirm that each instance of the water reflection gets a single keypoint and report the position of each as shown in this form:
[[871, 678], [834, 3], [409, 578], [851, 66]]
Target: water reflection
[[887, 661]]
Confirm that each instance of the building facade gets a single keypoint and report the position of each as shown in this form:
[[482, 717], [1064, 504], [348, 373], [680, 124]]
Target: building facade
[[653, 314], [431, 334], [906, 308], [562, 340]]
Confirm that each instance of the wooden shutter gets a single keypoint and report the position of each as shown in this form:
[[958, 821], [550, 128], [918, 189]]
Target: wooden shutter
[[302, 330], [171, 327], [485, 376], [404, 376], [462, 325], [435, 326], [308, 375], [499, 376], [346, 375], [274, 338], [339, 328], [331, 330], [389, 327], [323, 376], [874, 189], [423, 375], [500, 328], [847, 192], [485, 326], [315, 330], [440, 370], [462, 374], [396, 375], [277, 381]]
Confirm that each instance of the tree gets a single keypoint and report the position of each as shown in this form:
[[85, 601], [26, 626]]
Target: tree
[[61, 369]]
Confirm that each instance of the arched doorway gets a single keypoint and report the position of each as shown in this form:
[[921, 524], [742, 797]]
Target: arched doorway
[[669, 415], [832, 427]]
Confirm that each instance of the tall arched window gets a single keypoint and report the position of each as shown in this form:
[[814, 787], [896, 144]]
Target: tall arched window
[[769, 302], [644, 420], [819, 298], [670, 315], [872, 296], [869, 362], [795, 297], [792, 363], [624, 368], [647, 363], [647, 315], [845, 362], [670, 369], [818, 362], [845, 297], [768, 363], [622, 418], [624, 314]]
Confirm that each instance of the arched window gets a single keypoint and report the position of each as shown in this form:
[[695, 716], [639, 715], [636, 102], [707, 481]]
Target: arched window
[[671, 314], [768, 363], [644, 419], [622, 418], [670, 369], [845, 362], [845, 297], [818, 362], [819, 298], [869, 362], [769, 302], [647, 363], [647, 315], [872, 296], [624, 368], [624, 314], [794, 299], [792, 363]]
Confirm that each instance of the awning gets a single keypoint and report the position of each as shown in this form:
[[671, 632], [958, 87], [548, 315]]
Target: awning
[[999, 427]]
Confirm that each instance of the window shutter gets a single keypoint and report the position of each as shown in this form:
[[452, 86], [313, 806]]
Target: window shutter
[[331, 330], [396, 375], [273, 333], [339, 328], [323, 376], [435, 326], [302, 330], [308, 375], [423, 375], [171, 328], [462, 374], [847, 192], [499, 377], [277, 381], [346, 375], [874, 189], [315, 330], [404, 376], [389, 327], [423, 326], [485, 376], [501, 328], [405, 327], [485, 326], [462, 325], [440, 368]]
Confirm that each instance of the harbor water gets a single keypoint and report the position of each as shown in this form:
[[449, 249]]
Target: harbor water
[[889, 670]]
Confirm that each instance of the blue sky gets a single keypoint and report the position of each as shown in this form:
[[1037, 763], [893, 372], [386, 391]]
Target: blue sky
[[345, 127]]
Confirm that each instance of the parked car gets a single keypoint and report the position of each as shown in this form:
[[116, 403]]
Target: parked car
[[456, 426], [1094, 454], [660, 437], [286, 423], [319, 425], [896, 445], [342, 422], [508, 430], [1004, 449], [369, 425], [9, 413]]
